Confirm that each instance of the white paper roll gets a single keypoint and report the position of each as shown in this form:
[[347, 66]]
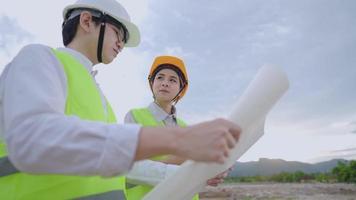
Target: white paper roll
[[249, 113]]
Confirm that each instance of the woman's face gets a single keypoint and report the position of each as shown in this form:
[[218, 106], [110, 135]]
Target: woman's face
[[166, 85]]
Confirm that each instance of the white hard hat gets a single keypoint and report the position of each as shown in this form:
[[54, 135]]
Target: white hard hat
[[115, 10]]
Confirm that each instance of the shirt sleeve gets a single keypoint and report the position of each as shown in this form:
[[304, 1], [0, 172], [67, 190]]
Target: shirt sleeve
[[129, 119], [149, 172], [41, 138]]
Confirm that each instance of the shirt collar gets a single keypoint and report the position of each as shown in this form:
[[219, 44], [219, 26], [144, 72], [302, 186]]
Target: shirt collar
[[80, 57], [159, 113]]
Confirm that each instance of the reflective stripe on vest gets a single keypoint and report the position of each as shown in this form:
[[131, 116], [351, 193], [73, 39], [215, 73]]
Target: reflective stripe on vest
[[83, 100], [144, 117], [119, 195], [6, 167]]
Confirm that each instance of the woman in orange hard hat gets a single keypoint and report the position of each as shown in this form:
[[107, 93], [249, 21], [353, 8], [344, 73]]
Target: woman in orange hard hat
[[168, 80]]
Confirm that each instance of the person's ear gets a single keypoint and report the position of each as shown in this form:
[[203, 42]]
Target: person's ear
[[85, 21]]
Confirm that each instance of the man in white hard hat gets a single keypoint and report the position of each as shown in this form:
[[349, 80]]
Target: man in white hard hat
[[59, 135]]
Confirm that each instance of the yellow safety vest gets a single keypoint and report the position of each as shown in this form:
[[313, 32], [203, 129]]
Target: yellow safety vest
[[83, 100], [144, 117]]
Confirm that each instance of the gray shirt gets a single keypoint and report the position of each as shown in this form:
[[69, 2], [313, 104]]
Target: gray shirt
[[40, 138], [158, 113]]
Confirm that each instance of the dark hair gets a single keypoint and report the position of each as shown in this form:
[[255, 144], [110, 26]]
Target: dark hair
[[182, 79], [69, 27], [120, 26]]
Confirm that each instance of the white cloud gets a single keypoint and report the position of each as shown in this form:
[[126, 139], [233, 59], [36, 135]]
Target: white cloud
[[12, 37], [137, 9], [223, 44], [348, 154], [295, 143], [11, 33]]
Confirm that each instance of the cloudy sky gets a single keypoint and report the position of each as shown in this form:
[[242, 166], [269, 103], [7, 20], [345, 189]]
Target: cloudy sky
[[223, 44]]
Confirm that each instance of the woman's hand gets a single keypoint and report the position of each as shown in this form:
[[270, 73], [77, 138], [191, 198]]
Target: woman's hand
[[219, 178]]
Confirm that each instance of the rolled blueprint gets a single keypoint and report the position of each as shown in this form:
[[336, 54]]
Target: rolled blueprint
[[249, 113]]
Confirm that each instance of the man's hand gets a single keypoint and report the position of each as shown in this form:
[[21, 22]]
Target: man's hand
[[208, 141]]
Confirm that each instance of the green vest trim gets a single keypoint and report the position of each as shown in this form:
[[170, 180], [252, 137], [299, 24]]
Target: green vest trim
[[83, 100], [144, 117]]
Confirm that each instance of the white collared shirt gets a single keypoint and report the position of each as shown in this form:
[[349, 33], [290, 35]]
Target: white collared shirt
[[40, 138]]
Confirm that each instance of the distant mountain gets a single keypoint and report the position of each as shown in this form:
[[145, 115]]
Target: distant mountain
[[266, 167]]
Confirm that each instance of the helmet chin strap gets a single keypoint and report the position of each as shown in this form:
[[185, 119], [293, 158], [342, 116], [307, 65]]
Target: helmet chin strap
[[101, 38], [176, 98]]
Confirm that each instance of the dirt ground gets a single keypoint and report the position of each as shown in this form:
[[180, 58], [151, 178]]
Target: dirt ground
[[290, 191]]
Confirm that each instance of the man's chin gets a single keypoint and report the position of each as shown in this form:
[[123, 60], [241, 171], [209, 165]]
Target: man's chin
[[108, 61]]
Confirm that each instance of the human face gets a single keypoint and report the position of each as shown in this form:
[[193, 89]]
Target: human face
[[113, 43], [166, 85]]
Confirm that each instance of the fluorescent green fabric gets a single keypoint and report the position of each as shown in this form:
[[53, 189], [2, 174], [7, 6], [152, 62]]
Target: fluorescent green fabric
[[83, 100], [2, 149], [144, 117]]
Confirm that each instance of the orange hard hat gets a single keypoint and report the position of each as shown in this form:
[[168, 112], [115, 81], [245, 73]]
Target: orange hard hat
[[175, 62]]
